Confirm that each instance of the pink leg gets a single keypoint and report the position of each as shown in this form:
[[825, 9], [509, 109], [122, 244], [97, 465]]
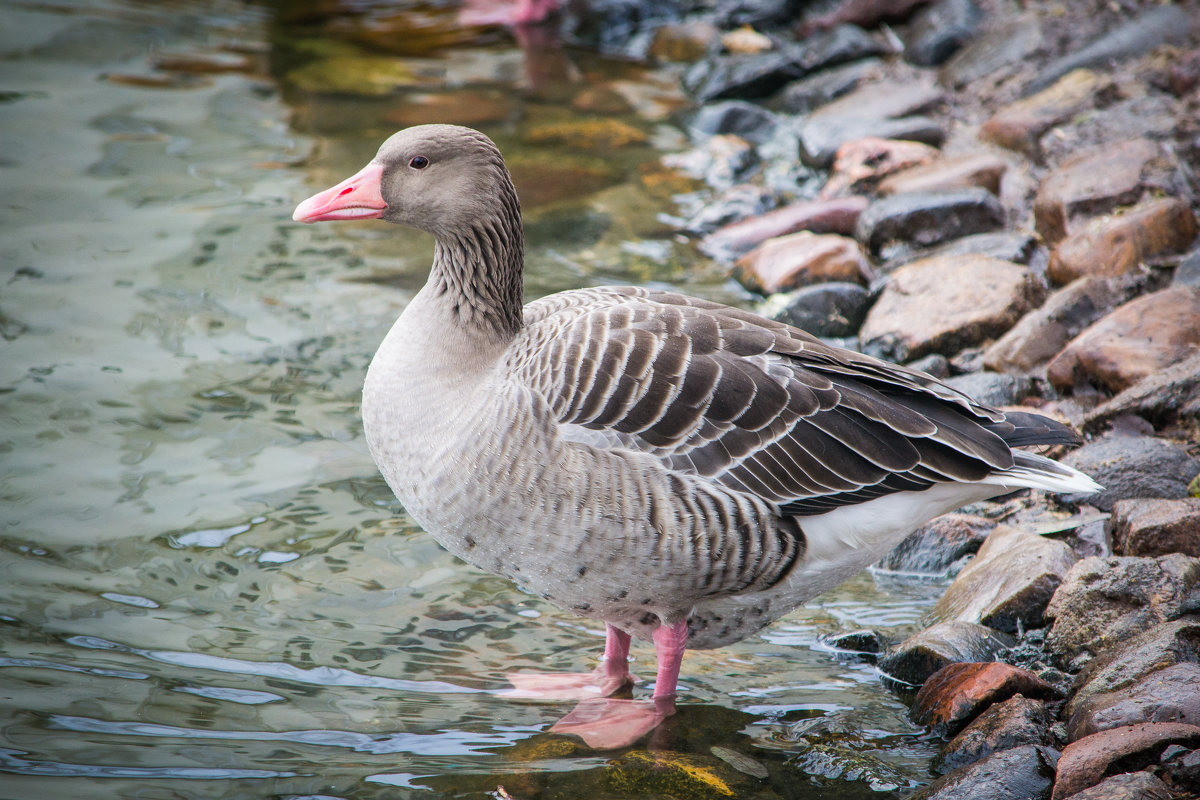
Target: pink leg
[[669, 644], [611, 676]]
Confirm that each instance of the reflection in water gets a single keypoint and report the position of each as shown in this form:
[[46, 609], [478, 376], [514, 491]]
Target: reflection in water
[[205, 588]]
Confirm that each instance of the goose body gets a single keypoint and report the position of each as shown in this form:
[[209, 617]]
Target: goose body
[[684, 471]]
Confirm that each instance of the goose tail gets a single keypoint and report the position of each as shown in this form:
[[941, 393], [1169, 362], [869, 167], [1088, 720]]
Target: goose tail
[[1033, 471]]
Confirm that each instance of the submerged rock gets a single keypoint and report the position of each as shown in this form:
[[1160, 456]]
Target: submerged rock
[[926, 652]]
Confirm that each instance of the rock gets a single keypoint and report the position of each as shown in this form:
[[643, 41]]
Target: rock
[[1089, 760], [610, 25], [1122, 243], [1044, 332], [746, 120], [1168, 397], [588, 134], [1013, 246], [926, 652], [1105, 601], [818, 216], [866, 13], [746, 40], [1171, 694], [938, 546], [1188, 271], [957, 693], [995, 52], [1009, 583], [601, 99], [826, 309], [1137, 339], [685, 41], [939, 29], [1127, 786], [801, 259], [934, 364], [1159, 647], [928, 218], [862, 163], [866, 645], [1020, 125], [1155, 527], [720, 161], [995, 389], [885, 100], [978, 169], [813, 91], [946, 303], [733, 203], [1153, 27], [1180, 766], [1022, 773], [756, 13], [820, 138], [1015, 722], [1093, 182]]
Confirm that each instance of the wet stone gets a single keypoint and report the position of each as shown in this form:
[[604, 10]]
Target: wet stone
[[968, 170], [1171, 694], [1105, 601], [1024, 773], [746, 120], [1156, 526], [957, 693], [1136, 340], [1128, 786], [721, 161], [828, 309], [1020, 125], [994, 388], [1013, 246], [928, 218], [813, 91], [926, 652], [820, 138], [938, 547], [939, 29], [801, 259], [1015, 722], [736, 202], [995, 52], [818, 216], [1087, 761], [860, 164], [863, 644], [754, 13], [1170, 396]]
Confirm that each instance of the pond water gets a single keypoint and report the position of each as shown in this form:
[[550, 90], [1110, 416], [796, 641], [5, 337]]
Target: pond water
[[206, 590]]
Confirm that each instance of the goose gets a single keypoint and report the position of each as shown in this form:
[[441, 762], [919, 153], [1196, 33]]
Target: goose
[[683, 471]]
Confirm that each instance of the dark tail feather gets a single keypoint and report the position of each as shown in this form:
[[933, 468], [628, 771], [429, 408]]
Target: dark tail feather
[[1021, 428]]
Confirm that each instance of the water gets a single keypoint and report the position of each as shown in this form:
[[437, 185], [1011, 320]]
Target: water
[[205, 588]]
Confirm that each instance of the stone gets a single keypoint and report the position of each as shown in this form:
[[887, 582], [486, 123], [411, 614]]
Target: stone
[[994, 388], [1087, 761], [755, 13], [601, 99], [1171, 694], [927, 218], [818, 216], [1014, 246], [588, 134], [957, 693], [1009, 583], [926, 652], [862, 163], [938, 546], [1137, 339], [1003, 46], [733, 203], [1168, 397], [865, 13], [746, 40], [947, 303], [1128, 786], [686, 41], [1159, 647], [827, 309], [939, 29], [1015, 722], [1103, 602], [858, 643], [1188, 271], [1090, 183], [820, 137], [1118, 244], [1042, 333], [1020, 773], [813, 91], [721, 161], [1156, 526], [885, 100], [978, 169], [801, 259], [738, 117], [1020, 125]]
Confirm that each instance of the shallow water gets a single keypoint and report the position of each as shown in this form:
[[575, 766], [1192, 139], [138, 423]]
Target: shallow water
[[205, 588]]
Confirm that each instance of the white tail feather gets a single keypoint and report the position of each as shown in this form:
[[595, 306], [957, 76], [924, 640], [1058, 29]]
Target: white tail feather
[[1038, 472]]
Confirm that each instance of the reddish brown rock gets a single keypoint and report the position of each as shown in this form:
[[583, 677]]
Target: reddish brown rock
[[945, 303], [801, 259], [862, 163], [818, 216], [1088, 761], [1017, 721], [957, 693], [956, 172], [1156, 526], [601, 99], [1009, 583], [1020, 125], [1136, 340], [1171, 694], [1120, 243], [1092, 183]]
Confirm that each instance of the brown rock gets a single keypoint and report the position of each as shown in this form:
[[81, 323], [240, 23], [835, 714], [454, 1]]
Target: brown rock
[[861, 163], [1128, 786], [1044, 332], [956, 172], [683, 41], [1168, 397], [1156, 526], [1092, 183], [801, 259], [1136, 340], [1012, 723], [1171, 694], [1170, 643], [601, 100], [929, 650], [589, 134], [1086, 762], [1009, 583], [1118, 244], [1020, 125], [1104, 602], [818, 216], [945, 303], [957, 693]]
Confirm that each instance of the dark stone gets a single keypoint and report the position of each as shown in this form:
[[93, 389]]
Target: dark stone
[[939, 29], [1012, 723], [609, 25], [813, 91], [1170, 396], [1188, 271], [921, 655], [1155, 527], [994, 388], [957, 693], [1171, 694], [747, 120], [757, 13], [1181, 766], [820, 138], [1087, 761], [994, 53], [927, 219], [1128, 786], [1022, 773], [1132, 466], [939, 546], [934, 364], [827, 309], [865, 645]]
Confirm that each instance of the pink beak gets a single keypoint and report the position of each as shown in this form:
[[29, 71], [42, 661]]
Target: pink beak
[[358, 197]]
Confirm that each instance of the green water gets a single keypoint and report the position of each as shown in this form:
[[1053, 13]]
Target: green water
[[206, 591]]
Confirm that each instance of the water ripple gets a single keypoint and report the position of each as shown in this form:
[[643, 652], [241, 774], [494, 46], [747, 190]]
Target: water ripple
[[11, 761]]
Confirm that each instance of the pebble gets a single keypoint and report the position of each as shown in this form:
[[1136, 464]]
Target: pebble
[[926, 652], [1015, 722], [1020, 125], [1156, 526], [1168, 397], [1019, 773], [1170, 694], [928, 218], [1122, 243], [957, 693], [938, 546], [685, 41], [1087, 761], [977, 169], [834, 309], [801, 259], [861, 164], [818, 216]]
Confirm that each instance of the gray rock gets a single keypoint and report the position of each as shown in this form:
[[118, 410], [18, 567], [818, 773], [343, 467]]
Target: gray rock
[[1015, 722], [1128, 786], [1171, 694], [821, 138], [804, 95], [994, 388], [1024, 772], [1188, 271], [939, 29], [934, 364], [1013, 246], [1169, 643], [865, 645], [995, 52], [757, 13], [928, 218], [927, 651], [939, 546], [827, 309], [1132, 466], [747, 120]]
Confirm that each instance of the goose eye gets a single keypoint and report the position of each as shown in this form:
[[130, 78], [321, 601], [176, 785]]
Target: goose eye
[[419, 162]]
